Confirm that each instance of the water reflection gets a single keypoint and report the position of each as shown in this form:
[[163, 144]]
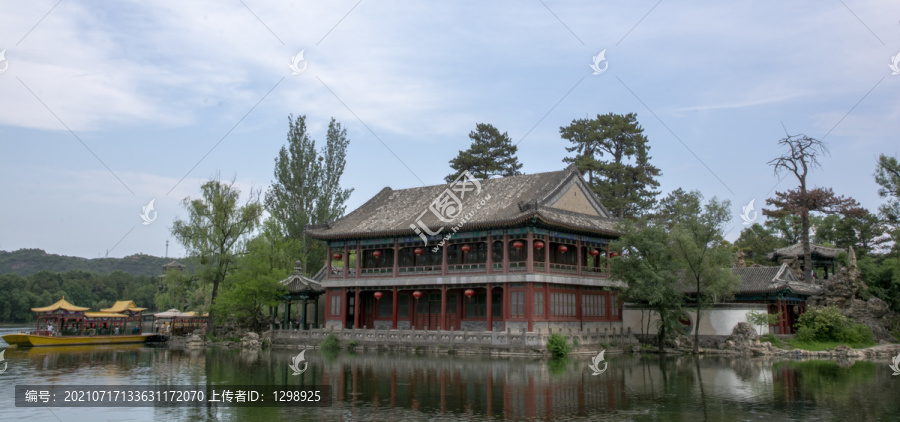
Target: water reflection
[[371, 385]]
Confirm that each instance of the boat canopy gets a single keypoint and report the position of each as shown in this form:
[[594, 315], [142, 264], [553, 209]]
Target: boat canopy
[[122, 306], [61, 304], [173, 313], [104, 315]]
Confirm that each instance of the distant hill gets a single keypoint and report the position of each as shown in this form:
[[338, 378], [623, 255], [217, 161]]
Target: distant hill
[[25, 262]]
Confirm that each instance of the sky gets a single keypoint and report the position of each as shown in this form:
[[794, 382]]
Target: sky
[[105, 106]]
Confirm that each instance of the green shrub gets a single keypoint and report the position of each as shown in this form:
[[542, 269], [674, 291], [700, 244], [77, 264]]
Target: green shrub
[[330, 343], [828, 324], [558, 345], [772, 339]]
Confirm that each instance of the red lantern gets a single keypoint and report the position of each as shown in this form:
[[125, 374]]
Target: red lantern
[[562, 248], [518, 245], [466, 248], [469, 293], [378, 295], [417, 294], [376, 254], [594, 252], [538, 244], [613, 254], [337, 256], [418, 251]]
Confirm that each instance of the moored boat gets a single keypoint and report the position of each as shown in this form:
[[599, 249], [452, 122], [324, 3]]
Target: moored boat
[[67, 325]]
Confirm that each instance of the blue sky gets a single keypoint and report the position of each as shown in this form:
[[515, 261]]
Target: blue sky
[[105, 106]]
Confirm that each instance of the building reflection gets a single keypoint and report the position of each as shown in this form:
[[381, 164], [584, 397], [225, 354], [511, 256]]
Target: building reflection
[[503, 388]]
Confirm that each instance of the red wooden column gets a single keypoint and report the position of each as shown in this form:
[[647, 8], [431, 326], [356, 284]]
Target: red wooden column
[[344, 307], [444, 258], [529, 261], [443, 323], [396, 259], [504, 303], [547, 255], [529, 305], [356, 308], [358, 258], [395, 306], [578, 255], [347, 261], [489, 318], [547, 303], [505, 268], [578, 307], [328, 263], [490, 254]]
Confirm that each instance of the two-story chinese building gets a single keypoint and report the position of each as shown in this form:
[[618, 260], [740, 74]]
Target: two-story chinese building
[[526, 251]]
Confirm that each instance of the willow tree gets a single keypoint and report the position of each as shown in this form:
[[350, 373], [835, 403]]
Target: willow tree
[[307, 187], [217, 230], [612, 151], [698, 243]]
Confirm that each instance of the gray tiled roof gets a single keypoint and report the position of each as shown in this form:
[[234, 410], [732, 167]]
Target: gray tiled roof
[[766, 280], [299, 283], [796, 250], [502, 202]]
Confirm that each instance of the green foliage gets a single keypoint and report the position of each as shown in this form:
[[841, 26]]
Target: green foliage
[[882, 275], [306, 189], [649, 269], [491, 154], [887, 175], [248, 293], [81, 288], [756, 241], [559, 365], [762, 319], [772, 339], [625, 180], [330, 343], [215, 232], [828, 324], [697, 241], [25, 262], [865, 232], [353, 343], [558, 345]]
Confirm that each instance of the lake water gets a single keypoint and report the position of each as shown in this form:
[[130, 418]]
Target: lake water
[[370, 385]]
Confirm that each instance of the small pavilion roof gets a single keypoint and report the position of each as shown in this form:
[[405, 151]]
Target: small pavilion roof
[[796, 251], [559, 200], [299, 283], [122, 306], [61, 304]]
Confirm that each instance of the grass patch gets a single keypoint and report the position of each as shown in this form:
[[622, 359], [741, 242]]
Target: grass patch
[[772, 339], [558, 345], [817, 346], [330, 343]]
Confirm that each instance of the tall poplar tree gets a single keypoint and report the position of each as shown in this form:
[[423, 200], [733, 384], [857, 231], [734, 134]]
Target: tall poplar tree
[[491, 154], [307, 187], [613, 152]]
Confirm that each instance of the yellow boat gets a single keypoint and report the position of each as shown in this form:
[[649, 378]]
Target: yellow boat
[[71, 320], [34, 340]]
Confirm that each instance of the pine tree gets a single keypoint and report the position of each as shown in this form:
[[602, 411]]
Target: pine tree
[[491, 154], [625, 180]]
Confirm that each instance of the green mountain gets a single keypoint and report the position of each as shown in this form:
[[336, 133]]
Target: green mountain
[[25, 262]]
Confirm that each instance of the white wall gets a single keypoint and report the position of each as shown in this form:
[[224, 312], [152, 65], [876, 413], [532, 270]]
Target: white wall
[[718, 320]]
